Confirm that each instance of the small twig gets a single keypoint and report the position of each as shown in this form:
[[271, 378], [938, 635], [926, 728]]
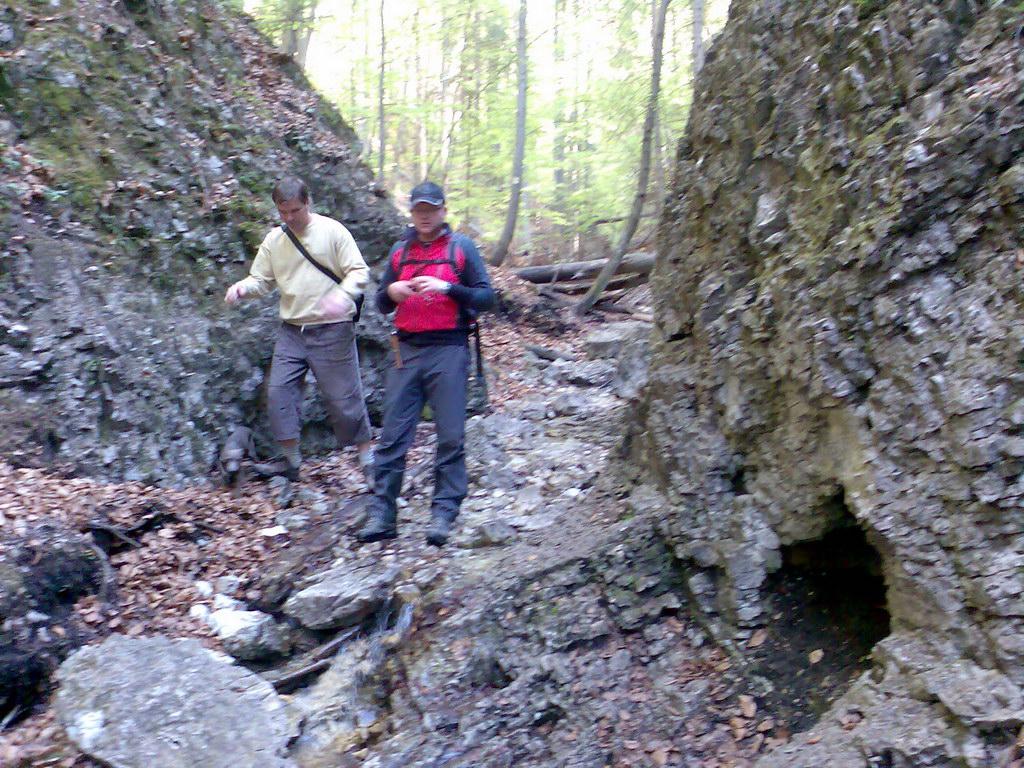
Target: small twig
[[555, 296], [9, 717], [316, 660], [108, 574], [285, 682], [618, 309], [208, 527], [113, 531]]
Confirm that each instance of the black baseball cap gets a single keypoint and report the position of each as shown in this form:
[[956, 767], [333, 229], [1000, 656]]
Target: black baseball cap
[[427, 192]]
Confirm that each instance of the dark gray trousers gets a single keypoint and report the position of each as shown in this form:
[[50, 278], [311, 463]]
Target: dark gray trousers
[[436, 375], [330, 351]]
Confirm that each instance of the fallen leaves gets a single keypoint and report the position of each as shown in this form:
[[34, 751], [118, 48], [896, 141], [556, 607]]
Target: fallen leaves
[[748, 706], [757, 639]]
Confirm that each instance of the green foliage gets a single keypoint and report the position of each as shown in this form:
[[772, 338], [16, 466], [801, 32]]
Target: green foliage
[[279, 18], [450, 101], [868, 8]]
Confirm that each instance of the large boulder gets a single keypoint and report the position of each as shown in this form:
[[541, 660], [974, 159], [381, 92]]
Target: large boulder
[[837, 347], [138, 703]]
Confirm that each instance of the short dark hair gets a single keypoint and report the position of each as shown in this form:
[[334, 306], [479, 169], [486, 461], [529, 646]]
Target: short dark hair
[[290, 188]]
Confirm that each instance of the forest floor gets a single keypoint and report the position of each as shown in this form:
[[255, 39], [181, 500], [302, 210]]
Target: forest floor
[[176, 538]]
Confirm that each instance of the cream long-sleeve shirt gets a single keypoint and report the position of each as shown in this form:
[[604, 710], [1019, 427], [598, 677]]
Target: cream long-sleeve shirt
[[278, 264]]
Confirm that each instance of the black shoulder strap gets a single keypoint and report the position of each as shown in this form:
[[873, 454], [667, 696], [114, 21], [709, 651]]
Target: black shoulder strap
[[449, 257], [302, 249], [403, 256], [474, 324]]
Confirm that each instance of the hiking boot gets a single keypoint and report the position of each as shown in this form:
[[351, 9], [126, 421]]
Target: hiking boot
[[368, 473], [277, 467], [440, 528], [376, 529]]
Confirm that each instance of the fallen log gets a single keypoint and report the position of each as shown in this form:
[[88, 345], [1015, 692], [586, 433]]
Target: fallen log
[[630, 280], [549, 273]]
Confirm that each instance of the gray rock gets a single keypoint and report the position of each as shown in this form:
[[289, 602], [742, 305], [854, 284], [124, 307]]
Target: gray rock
[[489, 534], [830, 356], [250, 635], [138, 703], [341, 597], [587, 373]]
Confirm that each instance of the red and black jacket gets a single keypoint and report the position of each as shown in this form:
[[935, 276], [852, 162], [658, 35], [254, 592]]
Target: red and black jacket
[[435, 318]]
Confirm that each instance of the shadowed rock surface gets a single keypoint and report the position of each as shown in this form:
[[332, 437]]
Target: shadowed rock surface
[[837, 348], [138, 146], [42, 573]]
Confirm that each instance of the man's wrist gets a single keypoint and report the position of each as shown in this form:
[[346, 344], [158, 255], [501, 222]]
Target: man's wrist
[[447, 288]]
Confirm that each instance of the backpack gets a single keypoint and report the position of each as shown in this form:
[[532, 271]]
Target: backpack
[[403, 260]]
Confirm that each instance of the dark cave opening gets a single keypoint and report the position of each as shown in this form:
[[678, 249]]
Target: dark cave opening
[[826, 609]]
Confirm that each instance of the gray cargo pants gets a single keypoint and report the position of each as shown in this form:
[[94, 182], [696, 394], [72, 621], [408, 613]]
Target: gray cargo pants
[[330, 351], [437, 375]]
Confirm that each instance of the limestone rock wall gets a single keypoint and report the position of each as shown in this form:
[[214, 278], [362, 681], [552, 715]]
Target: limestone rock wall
[[839, 334], [139, 142]]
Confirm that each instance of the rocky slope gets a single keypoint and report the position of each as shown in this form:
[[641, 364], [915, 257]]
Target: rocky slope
[[836, 379], [551, 630], [138, 144]]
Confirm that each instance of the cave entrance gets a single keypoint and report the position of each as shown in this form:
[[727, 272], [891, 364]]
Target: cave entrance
[[826, 609]]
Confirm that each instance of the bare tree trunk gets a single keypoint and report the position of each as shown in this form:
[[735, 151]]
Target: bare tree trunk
[[420, 171], [299, 18], [558, 155], [697, 6], [303, 48], [380, 98], [591, 296], [501, 249]]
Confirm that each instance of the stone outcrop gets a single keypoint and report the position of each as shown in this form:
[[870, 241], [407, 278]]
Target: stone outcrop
[[138, 145], [837, 349]]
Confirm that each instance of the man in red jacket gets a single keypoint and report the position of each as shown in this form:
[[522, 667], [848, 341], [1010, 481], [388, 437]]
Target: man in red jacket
[[435, 283]]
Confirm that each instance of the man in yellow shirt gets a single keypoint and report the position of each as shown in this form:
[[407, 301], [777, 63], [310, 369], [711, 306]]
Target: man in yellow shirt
[[317, 330]]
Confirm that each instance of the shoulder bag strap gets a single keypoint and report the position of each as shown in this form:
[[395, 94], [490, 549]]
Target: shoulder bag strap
[[302, 249], [358, 302]]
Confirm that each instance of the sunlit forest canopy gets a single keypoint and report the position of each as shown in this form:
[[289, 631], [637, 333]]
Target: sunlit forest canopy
[[431, 89]]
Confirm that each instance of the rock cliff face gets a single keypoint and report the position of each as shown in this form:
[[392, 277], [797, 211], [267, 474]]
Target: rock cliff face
[[838, 350], [138, 144]]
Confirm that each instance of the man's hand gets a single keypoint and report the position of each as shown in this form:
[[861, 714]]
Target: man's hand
[[336, 306], [400, 290], [428, 284], [235, 292]]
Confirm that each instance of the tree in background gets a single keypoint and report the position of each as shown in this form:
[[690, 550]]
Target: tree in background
[[698, 35], [290, 23], [501, 249], [605, 275], [439, 99]]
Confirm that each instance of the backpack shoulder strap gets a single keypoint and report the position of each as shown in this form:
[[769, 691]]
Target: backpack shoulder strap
[[453, 254], [400, 256]]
